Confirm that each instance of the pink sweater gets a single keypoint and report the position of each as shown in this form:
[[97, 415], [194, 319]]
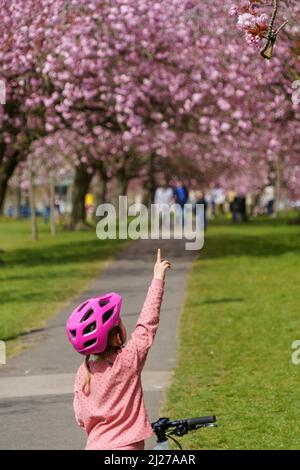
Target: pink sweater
[[114, 413]]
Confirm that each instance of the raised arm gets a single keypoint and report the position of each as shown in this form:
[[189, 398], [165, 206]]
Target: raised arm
[[143, 336]]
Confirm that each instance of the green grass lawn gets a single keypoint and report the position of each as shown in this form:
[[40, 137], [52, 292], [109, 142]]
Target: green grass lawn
[[36, 278], [241, 316]]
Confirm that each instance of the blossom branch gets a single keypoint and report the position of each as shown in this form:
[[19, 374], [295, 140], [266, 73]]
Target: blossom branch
[[267, 50]]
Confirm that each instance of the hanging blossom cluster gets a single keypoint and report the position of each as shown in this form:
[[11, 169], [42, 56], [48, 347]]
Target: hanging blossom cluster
[[252, 21], [263, 20]]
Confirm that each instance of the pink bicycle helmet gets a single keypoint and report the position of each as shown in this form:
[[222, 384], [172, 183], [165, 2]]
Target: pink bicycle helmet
[[89, 325]]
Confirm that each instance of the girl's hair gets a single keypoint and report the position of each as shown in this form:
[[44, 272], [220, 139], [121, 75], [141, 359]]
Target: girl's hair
[[110, 349]]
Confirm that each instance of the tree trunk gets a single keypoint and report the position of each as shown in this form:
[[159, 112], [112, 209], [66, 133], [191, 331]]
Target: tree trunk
[[151, 184], [80, 189], [34, 229], [122, 184], [19, 202], [7, 169], [101, 191], [278, 186], [104, 191], [52, 207]]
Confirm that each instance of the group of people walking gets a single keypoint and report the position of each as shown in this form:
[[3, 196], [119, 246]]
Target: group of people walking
[[235, 205], [166, 196]]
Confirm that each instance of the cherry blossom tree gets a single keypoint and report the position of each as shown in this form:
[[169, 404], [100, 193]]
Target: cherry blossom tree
[[128, 88], [26, 33]]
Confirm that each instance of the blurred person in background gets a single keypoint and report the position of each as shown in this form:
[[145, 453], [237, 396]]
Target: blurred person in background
[[89, 205], [269, 200], [203, 223], [164, 198], [181, 197], [231, 201]]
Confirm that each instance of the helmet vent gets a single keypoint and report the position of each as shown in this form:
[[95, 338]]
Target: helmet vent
[[90, 328], [82, 306], [107, 315], [90, 343], [103, 303], [87, 315], [73, 333]]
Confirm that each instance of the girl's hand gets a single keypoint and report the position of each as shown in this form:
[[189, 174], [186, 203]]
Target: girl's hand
[[161, 267]]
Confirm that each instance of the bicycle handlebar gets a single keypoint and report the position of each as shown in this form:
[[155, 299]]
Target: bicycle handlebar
[[193, 423], [164, 424], [165, 428]]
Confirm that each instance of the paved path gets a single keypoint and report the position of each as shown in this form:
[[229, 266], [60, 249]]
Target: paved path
[[36, 387]]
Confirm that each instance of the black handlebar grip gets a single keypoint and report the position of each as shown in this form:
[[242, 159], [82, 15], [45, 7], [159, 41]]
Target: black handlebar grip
[[201, 421]]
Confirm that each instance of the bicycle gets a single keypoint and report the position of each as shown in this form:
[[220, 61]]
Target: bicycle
[[166, 429]]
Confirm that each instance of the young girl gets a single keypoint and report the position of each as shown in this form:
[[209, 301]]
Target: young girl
[[109, 401]]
